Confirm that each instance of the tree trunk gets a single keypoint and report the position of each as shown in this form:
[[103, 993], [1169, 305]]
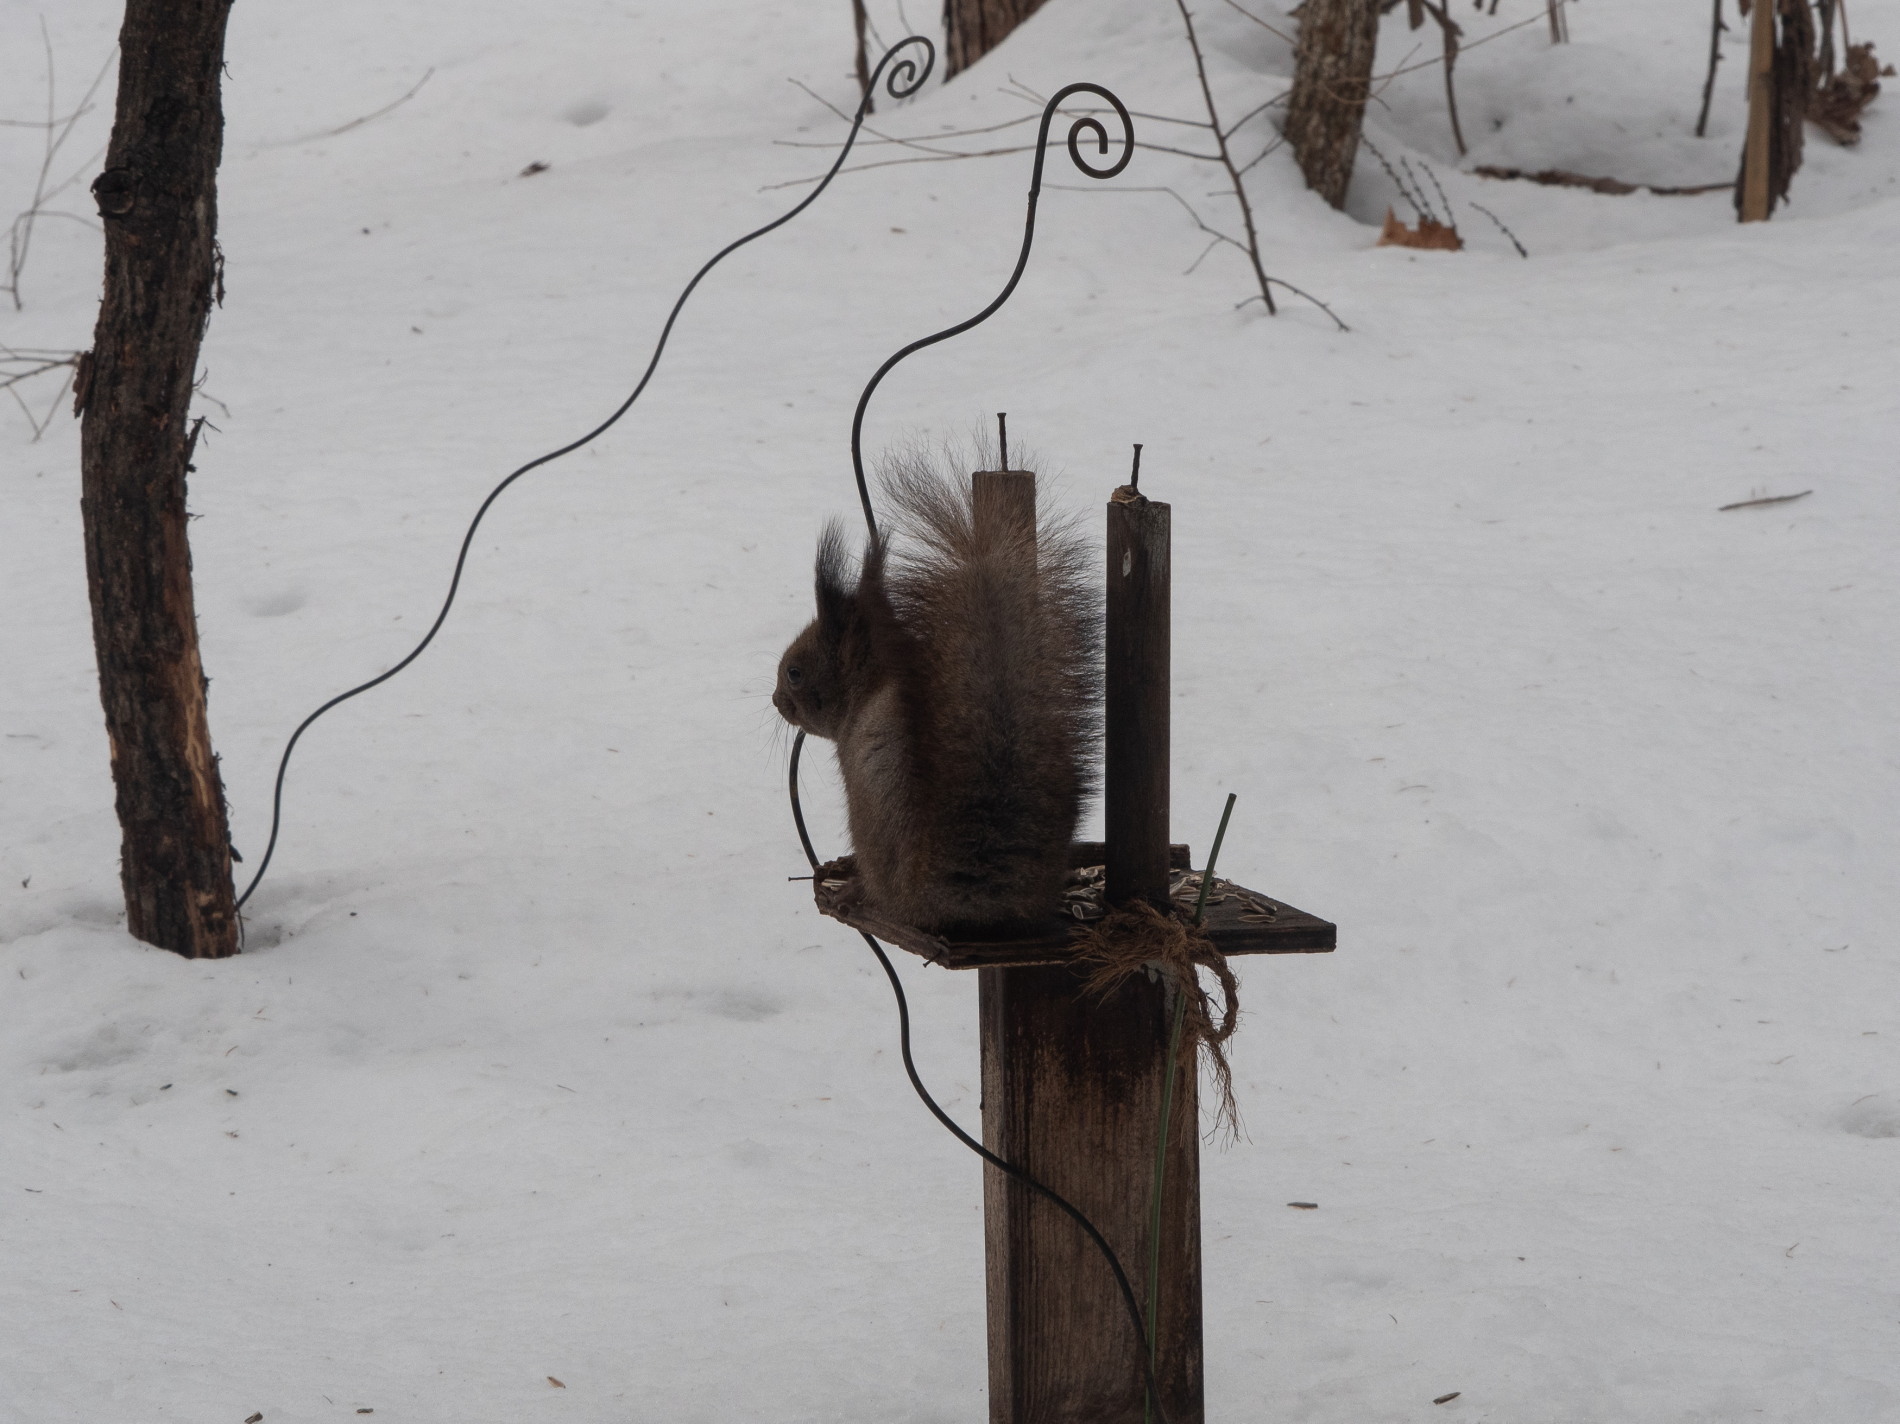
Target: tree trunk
[[1332, 75], [1781, 82], [972, 28], [158, 198], [860, 22]]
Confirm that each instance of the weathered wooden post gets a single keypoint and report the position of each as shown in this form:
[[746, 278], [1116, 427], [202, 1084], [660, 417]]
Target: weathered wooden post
[[1073, 1081]]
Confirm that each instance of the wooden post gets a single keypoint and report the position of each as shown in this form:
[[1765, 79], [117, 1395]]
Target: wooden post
[[1072, 1083], [1757, 195], [1136, 700], [158, 199]]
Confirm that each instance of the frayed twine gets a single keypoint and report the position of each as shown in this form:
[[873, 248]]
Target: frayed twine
[[1136, 936]]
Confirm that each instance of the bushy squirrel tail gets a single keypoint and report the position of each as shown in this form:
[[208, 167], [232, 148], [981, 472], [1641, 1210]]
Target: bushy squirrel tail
[[1004, 703]]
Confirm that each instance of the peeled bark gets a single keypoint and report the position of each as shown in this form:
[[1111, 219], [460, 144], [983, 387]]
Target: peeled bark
[[158, 199], [1332, 77], [972, 28]]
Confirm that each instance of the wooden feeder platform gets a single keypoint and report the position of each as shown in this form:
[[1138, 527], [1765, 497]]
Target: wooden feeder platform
[[1237, 920]]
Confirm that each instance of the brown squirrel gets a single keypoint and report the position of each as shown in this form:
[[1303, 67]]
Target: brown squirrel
[[959, 680]]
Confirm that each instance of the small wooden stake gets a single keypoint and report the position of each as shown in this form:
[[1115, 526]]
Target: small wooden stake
[[1073, 1083]]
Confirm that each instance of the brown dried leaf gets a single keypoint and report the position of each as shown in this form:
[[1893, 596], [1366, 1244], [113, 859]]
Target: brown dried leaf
[[1434, 236], [1837, 105]]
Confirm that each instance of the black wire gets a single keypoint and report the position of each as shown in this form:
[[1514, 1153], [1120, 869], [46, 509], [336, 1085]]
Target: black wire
[[906, 77], [1081, 126], [1007, 1168]]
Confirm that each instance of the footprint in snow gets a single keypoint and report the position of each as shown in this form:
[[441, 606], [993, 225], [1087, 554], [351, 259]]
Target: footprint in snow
[[1876, 1115]]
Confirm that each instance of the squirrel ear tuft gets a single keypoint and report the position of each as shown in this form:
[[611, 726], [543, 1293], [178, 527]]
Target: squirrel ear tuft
[[833, 566]]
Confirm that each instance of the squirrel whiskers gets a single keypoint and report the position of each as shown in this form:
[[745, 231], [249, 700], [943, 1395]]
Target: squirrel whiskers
[[958, 676]]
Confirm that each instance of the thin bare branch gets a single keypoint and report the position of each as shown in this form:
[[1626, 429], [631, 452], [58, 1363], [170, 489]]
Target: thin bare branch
[[1226, 159], [1279, 142], [1233, 5], [1255, 112], [1405, 67], [1451, 31], [1522, 251], [1202, 258], [1188, 207], [1304, 296], [879, 140], [370, 117], [57, 130], [34, 363]]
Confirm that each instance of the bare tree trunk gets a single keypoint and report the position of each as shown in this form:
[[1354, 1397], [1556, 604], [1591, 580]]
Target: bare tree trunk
[[972, 28], [860, 21], [1781, 84], [1332, 75], [158, 197]]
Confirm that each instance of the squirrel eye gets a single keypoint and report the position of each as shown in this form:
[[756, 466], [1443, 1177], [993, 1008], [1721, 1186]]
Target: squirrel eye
[[794, 676]]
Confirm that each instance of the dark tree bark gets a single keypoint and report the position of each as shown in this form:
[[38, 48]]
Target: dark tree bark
[[861, 22], [1782, 76], [1332, 76], [158, 197], [972, 28]]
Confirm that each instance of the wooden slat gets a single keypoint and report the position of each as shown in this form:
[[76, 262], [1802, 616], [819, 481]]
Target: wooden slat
[[1291, 931]]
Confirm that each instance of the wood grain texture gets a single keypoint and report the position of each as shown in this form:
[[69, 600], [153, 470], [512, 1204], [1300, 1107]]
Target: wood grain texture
[[1072, 1093], [1003, 499], [158, 199]]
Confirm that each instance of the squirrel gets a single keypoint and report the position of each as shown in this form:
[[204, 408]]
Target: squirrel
[[958, 678]]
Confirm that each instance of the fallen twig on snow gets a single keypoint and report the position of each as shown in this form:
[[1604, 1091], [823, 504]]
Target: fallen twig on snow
[[1560, 178], [370, 117], [1764, 499]]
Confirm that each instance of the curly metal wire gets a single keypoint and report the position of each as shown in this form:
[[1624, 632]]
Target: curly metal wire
[[1085, 125], [906, 77]]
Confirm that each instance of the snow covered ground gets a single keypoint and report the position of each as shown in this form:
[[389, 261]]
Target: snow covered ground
[[537, 1069]]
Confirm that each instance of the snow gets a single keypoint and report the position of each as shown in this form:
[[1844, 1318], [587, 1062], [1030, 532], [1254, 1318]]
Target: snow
[[535, 1066]]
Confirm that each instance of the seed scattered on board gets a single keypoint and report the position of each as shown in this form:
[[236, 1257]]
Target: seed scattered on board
[[1448, 1398], [556, 1383], [1305, 1206], [255, 1418]]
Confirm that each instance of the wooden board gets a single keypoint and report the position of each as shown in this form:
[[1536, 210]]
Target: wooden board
[[1234, 926]]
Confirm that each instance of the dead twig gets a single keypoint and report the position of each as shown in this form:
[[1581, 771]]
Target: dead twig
[[1521, 250], [370, 117], [1560, 178], [1764, 499], [1451, 32], [56, 130], [1405, 67], [1226, 159], [1716, 29], [19, 367], [1282, 34]]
